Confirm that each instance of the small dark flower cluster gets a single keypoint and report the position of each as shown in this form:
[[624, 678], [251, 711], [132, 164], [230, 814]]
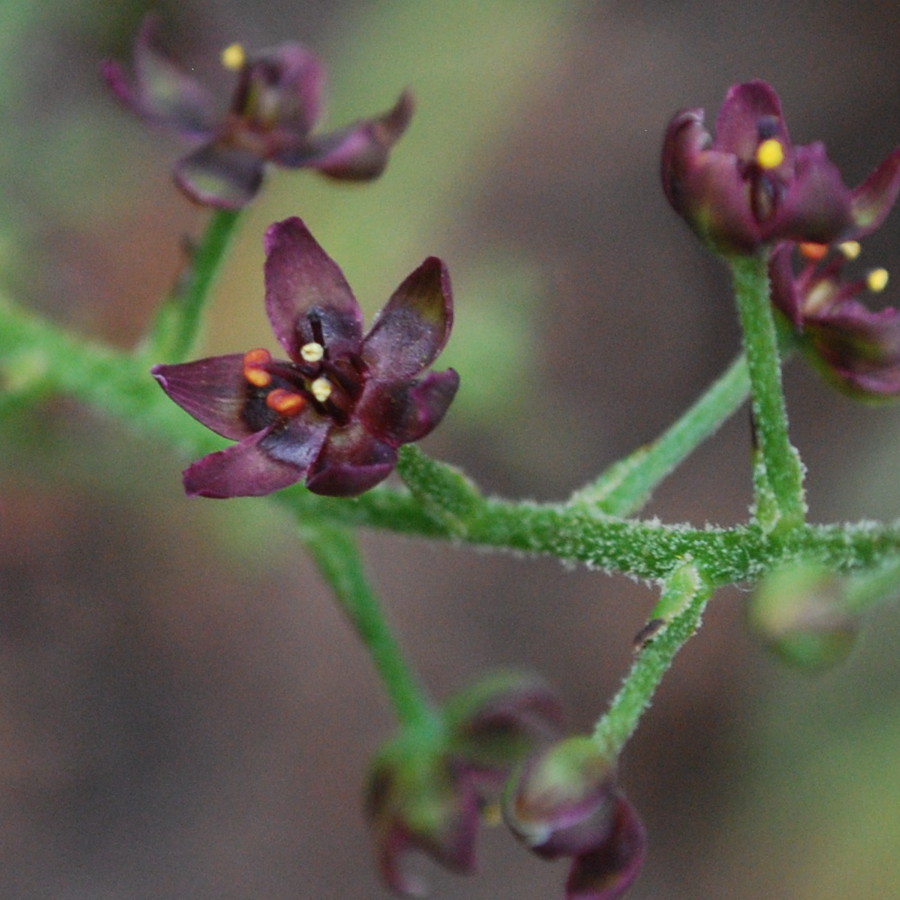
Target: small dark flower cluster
[[429, 791], [335, 412], [750, 190]]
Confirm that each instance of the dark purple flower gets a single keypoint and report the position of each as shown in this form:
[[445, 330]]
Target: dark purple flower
[[750, 186], [564, 801], [421, 800], [275, 106], [336, 412], [429, 787], [856, 349]]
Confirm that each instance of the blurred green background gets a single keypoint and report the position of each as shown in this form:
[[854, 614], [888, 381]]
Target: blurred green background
[[183, 712]]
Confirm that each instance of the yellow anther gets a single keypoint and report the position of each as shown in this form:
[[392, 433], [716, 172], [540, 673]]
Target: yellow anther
[[312, 352], [850, 249], [876, 280], [233, 57], [321, 389], [255, 362], [285, 402], [770, 154]]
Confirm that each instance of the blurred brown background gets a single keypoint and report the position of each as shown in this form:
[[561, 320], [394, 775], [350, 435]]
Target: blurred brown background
[[183, 713]]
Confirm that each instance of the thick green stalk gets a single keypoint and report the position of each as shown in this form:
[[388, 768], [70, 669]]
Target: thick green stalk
[[677, 617], [627, 485], [337, 556], [778, 481], [177, 324]]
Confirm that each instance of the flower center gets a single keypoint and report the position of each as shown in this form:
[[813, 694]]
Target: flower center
[[823, 284], [288, 388]]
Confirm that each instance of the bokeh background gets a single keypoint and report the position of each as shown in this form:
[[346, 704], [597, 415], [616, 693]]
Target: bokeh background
[[183, 712]]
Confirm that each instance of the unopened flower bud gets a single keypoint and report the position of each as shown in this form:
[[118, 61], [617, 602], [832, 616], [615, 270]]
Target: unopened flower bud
[[800, 613]]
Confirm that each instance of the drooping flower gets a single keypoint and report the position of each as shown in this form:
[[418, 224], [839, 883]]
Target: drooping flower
[[273, 110], [337, 410], [429, 788], [750, 186], [564, 801], [855, 348]]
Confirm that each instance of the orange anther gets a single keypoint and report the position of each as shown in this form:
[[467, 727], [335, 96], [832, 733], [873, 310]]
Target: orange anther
[[285, 403], [254, 367], [812, 251]]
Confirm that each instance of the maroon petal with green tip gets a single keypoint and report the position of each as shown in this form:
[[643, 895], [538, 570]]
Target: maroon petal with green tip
[[358, 152], [874, 198], [413, 327]]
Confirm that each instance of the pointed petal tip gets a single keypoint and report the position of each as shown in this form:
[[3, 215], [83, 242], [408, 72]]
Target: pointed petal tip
[[302, 282], [359, 152], [873, 200], [291, 229], [414, 325]]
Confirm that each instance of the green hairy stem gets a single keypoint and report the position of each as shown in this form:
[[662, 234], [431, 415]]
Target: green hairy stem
[[593, 528]]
